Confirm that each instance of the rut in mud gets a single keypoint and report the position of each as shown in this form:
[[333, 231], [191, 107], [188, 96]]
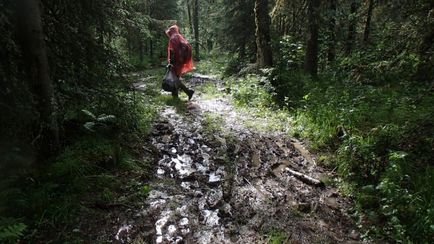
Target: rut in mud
[[218, 181]]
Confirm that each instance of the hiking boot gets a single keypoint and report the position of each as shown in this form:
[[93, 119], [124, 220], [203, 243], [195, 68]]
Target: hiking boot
[[190, 94], [175, 94]]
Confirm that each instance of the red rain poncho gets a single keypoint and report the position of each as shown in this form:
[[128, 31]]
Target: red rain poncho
[[183, 61]]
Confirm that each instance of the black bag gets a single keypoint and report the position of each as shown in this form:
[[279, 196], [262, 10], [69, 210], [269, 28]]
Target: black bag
[[170, 80]]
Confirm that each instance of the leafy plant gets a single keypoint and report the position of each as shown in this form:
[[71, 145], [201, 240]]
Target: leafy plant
[[101, 120], [11, 232], [252, 91], [276, 237]]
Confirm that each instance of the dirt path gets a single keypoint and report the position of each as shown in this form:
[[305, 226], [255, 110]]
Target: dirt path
[[218, 181]]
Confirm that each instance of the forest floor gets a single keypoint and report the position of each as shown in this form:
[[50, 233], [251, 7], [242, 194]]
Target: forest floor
[[218, 179]]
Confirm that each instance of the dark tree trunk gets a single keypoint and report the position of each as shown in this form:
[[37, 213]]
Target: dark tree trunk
[[351, 28], [311, 57], [242, 51], [189, 17], [294, 19], [141, 50], [37, 69], [196, 28], [368, 22], [101, 32], [151, 49], [264, 57], [331, 50]]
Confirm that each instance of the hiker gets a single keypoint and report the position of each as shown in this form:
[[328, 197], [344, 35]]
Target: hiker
[[179, 57]]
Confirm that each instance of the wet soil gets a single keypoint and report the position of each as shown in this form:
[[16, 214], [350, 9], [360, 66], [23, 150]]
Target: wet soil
[[218, 181]]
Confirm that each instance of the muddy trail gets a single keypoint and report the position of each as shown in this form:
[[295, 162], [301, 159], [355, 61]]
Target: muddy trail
[[218, 181]]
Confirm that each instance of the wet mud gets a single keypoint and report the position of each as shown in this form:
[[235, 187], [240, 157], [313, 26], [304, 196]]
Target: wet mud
[[233, 184]]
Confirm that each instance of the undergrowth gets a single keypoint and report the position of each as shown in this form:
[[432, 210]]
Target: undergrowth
[[254, 95], [47, 202], [382, 137], [276, 237], [379, 137]]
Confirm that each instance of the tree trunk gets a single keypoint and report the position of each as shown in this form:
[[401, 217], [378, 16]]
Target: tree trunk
[[196, 28], [351, 28], [151, 49], [37, 69], [189, 17], [242, 51], [368, 22], [311, 57], [141, 52], [331, 50], [264, 57]]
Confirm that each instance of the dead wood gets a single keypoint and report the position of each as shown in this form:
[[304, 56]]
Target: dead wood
[[305, 178]]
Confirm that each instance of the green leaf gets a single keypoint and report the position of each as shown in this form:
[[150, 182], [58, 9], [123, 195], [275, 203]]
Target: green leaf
[[106, 118], [90, 126], [12, 232], [88, 113], [397, 155]]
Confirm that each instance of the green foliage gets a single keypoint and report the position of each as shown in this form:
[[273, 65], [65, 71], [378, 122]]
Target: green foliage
[[11, 230], [81, 158], [235, 28], [252, 91], [373, 67], [370, 107], [289, 87], [144, 191], [276, 237], [381, 137], [101, 121], [233, 67], [53, 196], [291, 53], [214, 65], [380, 147], [212, 124]]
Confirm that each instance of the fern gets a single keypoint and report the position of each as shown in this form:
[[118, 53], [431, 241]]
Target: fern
[[102, 120], [90, 126], [11, 233], [90, 114], [106, 118]]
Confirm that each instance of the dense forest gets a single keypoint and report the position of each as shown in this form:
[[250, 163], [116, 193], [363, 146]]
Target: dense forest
[[85, 126]]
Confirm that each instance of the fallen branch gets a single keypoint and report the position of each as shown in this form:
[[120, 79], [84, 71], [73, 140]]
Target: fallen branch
[[305, 178]]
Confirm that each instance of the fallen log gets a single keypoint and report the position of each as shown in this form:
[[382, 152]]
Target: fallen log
[[305, 178]]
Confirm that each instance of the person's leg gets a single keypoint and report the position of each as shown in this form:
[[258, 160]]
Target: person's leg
[[187, 91], [175, 93]]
